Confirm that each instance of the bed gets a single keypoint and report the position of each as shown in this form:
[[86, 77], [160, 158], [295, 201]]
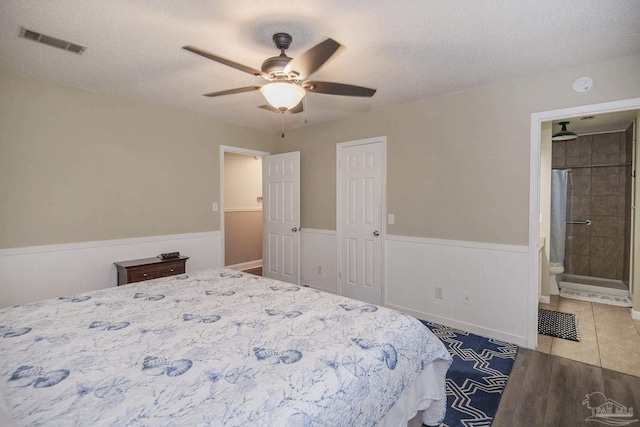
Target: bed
[[217, 347]]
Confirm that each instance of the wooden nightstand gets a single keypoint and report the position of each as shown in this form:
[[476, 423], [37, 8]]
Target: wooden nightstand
[[138, 270]]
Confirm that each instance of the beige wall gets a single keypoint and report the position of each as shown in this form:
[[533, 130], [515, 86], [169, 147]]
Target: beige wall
[[79, 166], [458, 165], [242, 181], [243, 212], [74, 163], [242, 237]]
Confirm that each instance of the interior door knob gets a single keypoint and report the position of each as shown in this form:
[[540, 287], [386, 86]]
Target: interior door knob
[[376, 233], [294, 229]]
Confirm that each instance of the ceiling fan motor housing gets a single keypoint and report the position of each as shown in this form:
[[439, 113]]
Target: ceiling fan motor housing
[[273, 66]]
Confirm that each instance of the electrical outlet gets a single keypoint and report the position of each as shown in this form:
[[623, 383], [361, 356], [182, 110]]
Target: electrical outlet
[[439, 293], [319, 269], [214, 207], [466, 298]]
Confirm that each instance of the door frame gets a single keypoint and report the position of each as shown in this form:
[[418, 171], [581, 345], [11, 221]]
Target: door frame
[[237, 150], [383, 226], [534, 195]]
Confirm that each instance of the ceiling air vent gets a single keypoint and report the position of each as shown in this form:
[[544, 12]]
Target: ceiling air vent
[[51, 41]]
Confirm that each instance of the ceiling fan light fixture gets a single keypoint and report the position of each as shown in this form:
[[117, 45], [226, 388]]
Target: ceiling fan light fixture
[[283, 95], [564, 134]]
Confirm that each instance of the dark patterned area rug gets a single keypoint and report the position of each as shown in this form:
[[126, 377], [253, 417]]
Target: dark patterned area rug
[[558, 324], [477, 377]]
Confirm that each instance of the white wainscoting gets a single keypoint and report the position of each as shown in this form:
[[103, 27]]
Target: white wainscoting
[[318, 249], [494, 276], [40, 272]]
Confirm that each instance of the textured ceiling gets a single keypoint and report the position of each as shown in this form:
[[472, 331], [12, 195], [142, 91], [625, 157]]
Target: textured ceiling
[[408, 50]]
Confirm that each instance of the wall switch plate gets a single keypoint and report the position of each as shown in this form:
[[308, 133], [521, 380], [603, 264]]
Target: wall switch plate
[[439, 293], [391, 219], [214, 206]]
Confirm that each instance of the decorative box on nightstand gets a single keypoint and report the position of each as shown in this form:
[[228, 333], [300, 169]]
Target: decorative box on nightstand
[[138, 270]]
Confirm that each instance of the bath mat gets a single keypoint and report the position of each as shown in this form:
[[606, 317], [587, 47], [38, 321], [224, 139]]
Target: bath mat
[[558, 324], [596, 297]]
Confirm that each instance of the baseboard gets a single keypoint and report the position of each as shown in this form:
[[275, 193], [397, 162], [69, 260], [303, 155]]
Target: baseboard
[[484, 332], [245, 265], [635, 314], [544, 299]]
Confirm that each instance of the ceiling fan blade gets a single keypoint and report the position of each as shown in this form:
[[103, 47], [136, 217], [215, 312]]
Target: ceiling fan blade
[[233, 91], [222, 60], [297, 109], [337, 89], [311, 61]]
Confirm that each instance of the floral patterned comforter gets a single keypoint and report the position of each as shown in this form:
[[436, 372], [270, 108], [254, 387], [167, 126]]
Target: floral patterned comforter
[[209, 348]]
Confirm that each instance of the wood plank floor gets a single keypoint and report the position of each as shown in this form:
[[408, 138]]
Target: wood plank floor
[[546, 390]]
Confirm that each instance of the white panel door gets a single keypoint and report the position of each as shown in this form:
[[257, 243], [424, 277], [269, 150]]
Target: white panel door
[[360, 221], [281, 217]]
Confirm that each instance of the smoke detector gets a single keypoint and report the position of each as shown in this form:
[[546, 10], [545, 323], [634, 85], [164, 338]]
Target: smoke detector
[[582, 85]]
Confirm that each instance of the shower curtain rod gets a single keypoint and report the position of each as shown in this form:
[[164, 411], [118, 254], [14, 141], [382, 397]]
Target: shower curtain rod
[[595, 166]]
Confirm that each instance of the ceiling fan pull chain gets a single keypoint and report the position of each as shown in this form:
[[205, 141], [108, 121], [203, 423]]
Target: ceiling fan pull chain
[[304, 105], [282, 135]]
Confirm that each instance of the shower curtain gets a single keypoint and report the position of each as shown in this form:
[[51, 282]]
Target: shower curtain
[[558, 215]]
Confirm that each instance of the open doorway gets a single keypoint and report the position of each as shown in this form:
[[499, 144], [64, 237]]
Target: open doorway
[[591, 238], [586, 220], [538, 121], [241, 208]]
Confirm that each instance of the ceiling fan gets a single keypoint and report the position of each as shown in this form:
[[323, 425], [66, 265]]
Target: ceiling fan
[[286, 77]]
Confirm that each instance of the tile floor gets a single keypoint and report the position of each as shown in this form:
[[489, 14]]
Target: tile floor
[[609, 337]]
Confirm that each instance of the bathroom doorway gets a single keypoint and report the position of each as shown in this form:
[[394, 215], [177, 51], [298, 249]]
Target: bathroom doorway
[[598, 200], [540, 126]]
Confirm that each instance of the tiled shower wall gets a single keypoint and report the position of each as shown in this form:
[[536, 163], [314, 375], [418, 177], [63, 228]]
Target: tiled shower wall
[[601, 194]]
